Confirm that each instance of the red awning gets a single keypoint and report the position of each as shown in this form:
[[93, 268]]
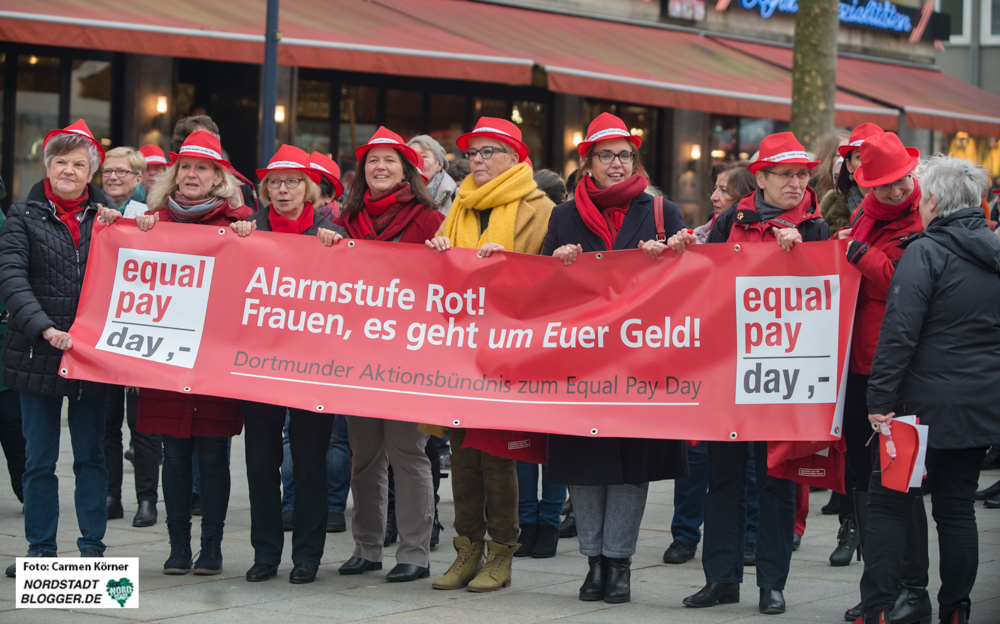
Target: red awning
[[931, 99], [351, 35]]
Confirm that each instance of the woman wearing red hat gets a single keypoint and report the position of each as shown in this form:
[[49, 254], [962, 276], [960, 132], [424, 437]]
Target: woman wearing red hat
[[330, 186], [499, 207], [887, 215], [389, 202], [197, 189], [782, 210], [48, 234], [609, 478], [838, 204]]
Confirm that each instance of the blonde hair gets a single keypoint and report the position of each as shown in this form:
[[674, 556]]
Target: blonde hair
[[166, 186], [312, 189], [136, 161]]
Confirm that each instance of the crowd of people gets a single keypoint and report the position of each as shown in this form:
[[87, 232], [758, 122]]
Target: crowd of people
[[925, 341]]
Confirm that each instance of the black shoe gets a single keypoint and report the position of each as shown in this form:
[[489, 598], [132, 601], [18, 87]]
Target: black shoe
[[679, 552], [714, 594], [567, 508], [832, 507], [115, 509], [12, 568], [913, 605], [146, 514], [391, 533], [990, 492], [261, 572], [209, 561], [796, 541], [195, 504], [992, 459], [406, 572], [179, 561], [750, 555], [357, 565], [91, 553], [303, 573], [854, 612], [617, 588], [772, 602], [568, 526], [129, 455], [546, 543], [286, 520], [335, 522], [848, 541], [992, 503], [527, 537], [593, 586]]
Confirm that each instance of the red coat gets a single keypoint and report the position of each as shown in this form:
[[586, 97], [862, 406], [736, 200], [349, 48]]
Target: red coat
[[876, 260]]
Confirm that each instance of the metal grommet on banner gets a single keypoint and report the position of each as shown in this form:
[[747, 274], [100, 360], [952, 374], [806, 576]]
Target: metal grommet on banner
[[319, 408], [187, 388], [736, 247], [732, 436], [350, 243], [455, 423], [593, 432], [222, 231], [599, 256], [64, 372]]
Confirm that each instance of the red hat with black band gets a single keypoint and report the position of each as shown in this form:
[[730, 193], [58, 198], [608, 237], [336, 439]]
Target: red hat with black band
[[386, 137], [79, 128], [860, 134], [153, 155], [884, 160], [328, 169], [605, 127], [784, 149], [499, 129], [290, 158], [202, 144]]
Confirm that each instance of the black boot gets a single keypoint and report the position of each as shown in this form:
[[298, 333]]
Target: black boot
[[990, 492], [527, 537], [913, 603], [861, 516], [618, 586], [546, 543], [593, 586], [391, 532], [568, 526], [832, 507], [210, 558], [436, 529], [179, 561]]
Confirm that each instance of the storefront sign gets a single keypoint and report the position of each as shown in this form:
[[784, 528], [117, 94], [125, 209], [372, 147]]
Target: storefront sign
[[884, 16]]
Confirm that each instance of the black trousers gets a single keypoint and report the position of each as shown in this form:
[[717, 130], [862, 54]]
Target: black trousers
[[857, 430], [124, 406], [954, 477], [309, 439], [12, 439]]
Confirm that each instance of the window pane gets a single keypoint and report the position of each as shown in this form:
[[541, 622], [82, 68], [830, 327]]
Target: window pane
[[752, 132], [533, 120], [38, 112], [403, 112], [447, 116], [995, 18], [358, 116], [723, 145], [90, 97], [483, 107], [955, 8], [312, 119]]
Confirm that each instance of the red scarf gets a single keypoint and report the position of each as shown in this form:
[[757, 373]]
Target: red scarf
[[603, 211], [66, 210], [873, 211], [375, 219], [291, 226]]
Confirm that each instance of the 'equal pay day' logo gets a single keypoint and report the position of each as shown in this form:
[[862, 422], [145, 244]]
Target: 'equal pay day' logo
[[158, 306], [787, 331]]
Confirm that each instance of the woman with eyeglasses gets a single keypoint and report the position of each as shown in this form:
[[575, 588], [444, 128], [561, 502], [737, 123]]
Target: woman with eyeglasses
[[389, 202], [888, 214], [608, 478], [499, 207]]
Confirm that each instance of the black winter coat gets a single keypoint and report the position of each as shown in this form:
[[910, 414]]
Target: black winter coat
[[577, 460], [41, 274], [938, 354]]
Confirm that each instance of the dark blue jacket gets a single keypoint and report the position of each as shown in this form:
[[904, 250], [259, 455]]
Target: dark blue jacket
[[566, 226]]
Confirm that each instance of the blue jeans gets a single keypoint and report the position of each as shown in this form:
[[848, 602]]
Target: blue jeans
[[338, 469], [196, 473], [213, 464], [41, 424], [530, 510]]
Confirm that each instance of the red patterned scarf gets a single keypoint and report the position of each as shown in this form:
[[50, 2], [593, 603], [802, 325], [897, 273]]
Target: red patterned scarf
[[873, 211]]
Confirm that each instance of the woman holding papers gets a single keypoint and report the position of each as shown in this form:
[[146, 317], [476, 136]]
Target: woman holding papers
[[938, 358]]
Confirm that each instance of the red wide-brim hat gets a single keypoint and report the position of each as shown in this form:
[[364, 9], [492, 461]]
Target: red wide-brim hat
[[79, 128], [884, 160], [604, 128], [385, 137], [781, 149], [858, 136], [202, 144], [328, 169], [290, 158], [153, 155], [499, 129]]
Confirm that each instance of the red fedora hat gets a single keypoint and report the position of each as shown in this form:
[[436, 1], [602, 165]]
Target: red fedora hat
[[153, 155], [385, 136], [884, 160], [499, 129], [328, 169], [202, 144], [606, 126], [80, 128], [858, 136], [781, 148], [290, 158]]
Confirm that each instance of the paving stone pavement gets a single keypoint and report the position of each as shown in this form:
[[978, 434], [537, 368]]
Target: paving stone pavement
[[543, 589]]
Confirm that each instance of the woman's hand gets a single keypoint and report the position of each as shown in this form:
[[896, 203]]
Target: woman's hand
[[843, 233], [145, 222], [652, 248], [881, 419], [567, 253], [243, 228], [787, 237], [439, 243], [680, 241], [328, 237], [58, 339], [107, 215], [487, 250]]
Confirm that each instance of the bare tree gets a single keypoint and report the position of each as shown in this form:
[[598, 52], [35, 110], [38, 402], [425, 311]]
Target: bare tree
[[814, 70]]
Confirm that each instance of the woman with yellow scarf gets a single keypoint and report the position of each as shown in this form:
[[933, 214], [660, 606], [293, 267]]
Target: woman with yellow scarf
[[498, 208]]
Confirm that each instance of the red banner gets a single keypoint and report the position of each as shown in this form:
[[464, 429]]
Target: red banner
[[723, 342]]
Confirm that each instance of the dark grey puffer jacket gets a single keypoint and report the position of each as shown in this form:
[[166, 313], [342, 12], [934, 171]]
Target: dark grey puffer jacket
[[41, 274]]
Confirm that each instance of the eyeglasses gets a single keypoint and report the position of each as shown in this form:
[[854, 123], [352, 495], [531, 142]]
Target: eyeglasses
[[884, 189], [486, 152], [890, 446], [290, 183], [787, 176], [608, 157], [121, 173]]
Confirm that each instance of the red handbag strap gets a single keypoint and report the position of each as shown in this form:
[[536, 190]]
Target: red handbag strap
[[661, 230]]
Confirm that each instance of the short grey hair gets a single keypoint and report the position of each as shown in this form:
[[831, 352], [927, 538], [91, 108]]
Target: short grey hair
[[65, 143], [424, 141], [953, 182]]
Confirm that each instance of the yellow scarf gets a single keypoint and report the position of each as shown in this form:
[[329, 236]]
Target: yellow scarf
[[503, 194]]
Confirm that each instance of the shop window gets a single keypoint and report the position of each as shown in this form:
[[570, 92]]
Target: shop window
[[312, 116], [961, 19], [404, 112], [37, 113], [447, 119], [358, 121], [752, 132], [533, 120], [990, 34], [724, 144], [90, 97], [484, 107]]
